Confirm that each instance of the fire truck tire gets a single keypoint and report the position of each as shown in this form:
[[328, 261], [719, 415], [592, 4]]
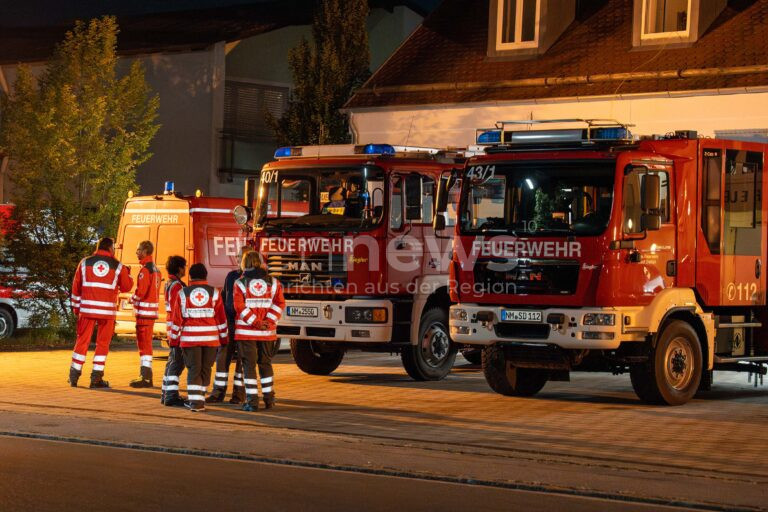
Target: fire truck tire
[[313, 361], [473, 355], [7, 325], [509, 380], [672, 374], [433, 357]]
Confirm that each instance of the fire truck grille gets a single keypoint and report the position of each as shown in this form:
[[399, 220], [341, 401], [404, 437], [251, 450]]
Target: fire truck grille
[[527, 277], [324, 270]]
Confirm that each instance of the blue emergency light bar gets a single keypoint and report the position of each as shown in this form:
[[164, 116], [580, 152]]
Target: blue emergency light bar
[[286, 152], [375, 149], [596, 130], [169, 188]]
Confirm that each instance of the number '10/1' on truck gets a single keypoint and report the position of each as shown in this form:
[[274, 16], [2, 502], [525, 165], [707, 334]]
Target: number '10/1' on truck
[[348, 232], [586, 249]]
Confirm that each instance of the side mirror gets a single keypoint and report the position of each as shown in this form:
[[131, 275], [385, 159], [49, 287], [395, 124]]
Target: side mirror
[[413, 195], [438, 222], [651, 193], [650, 221], [378, 211]]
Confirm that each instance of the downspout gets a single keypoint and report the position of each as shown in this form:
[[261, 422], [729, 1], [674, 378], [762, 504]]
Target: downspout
[[568, 80], [353, 129], [5, 160]]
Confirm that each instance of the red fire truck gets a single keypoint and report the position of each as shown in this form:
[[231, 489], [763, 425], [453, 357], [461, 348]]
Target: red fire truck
[[579, 247], [197, 227], [347, 230]]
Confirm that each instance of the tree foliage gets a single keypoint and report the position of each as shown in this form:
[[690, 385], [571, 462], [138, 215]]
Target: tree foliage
[[75, 134], [326, 73]]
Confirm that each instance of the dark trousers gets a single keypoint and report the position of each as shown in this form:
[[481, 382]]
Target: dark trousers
[[199, 361], [173, 370], [258, 353], [223, 360]]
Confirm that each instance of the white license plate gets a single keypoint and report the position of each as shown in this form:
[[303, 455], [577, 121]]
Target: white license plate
[[511, 315], [302, 311]]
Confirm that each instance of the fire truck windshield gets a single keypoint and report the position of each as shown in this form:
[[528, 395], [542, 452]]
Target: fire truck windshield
[[538, 199], [321, 198]]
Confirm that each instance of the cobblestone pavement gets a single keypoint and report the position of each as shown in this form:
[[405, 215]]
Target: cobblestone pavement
[[593, 425]]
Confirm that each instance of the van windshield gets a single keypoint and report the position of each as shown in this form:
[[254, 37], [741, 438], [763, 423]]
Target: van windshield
[[538, 199], [327, 198]]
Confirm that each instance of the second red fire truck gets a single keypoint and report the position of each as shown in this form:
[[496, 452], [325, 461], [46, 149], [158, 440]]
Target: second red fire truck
[[582, 248]]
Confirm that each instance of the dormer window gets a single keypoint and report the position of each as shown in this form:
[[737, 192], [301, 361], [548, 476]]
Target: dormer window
[[665, 18], [673, 22], [518, 24], [526, 28]]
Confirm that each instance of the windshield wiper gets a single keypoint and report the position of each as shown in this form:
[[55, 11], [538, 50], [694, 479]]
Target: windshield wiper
[[567, 231]]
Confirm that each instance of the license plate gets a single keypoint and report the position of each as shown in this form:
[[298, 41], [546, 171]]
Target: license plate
[[302, 311], [511, 315]]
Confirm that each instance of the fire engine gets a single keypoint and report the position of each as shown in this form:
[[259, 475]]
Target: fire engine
[[347, 230], [199, 228], [580, 247]]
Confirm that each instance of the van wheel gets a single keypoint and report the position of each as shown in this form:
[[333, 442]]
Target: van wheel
[[432, 358], [7, 325], [313, 360], [673, 371], [510, 380]]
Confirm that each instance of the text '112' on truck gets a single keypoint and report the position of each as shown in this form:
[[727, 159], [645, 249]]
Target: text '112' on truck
[[579, 247], [348, 232]]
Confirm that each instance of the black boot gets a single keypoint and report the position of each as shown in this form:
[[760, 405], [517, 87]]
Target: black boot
[[145, 380], [216, 396], [74, 375], [173, 401], [97, 381], [238, 395], [269, 402], [251, 406]]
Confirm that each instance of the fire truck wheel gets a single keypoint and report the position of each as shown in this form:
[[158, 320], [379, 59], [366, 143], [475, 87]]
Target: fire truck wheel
[[509, 380], [6, 324], [432, 358], [673, 371], [310, 359]]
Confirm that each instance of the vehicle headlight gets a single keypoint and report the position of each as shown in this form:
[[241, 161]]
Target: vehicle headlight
[[599, 319], [242, 214], [365, 315], [459, 314]]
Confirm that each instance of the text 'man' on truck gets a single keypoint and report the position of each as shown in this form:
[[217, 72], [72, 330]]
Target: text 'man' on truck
[[582, 248], [348, 232]]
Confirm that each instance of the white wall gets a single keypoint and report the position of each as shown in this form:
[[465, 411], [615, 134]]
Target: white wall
[[454, 125]]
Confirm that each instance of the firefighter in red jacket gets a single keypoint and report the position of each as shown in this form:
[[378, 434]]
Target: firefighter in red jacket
[[200, 326], [98, 280], [176, 266], [259, 305], [145, 303]]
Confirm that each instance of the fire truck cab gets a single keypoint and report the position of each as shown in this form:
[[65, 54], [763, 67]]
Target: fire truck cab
[[348, 232], [579, 247], [200, 229]]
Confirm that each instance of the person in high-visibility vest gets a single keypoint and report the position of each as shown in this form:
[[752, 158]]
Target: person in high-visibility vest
[[145, 302], [200, 326], [176, 267], [259, 305], [98, 280]]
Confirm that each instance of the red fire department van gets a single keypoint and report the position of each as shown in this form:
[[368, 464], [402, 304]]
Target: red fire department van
[[12, 315], [581, 248], [199, 228], [347, 230]]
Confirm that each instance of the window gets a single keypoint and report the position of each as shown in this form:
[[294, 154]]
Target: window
[[517, 23], [664, 18], [396, 204], [742, 216], [427, 199], [634, 188], [712, 163], [246, 106]]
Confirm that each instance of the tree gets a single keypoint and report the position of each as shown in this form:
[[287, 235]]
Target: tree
[[325, 74], [75, 136]]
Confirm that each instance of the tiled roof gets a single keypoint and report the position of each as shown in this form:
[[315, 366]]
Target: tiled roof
[[449, 49]]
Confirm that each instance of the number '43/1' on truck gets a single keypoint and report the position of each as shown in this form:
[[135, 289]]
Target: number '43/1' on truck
[[581, 247]]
